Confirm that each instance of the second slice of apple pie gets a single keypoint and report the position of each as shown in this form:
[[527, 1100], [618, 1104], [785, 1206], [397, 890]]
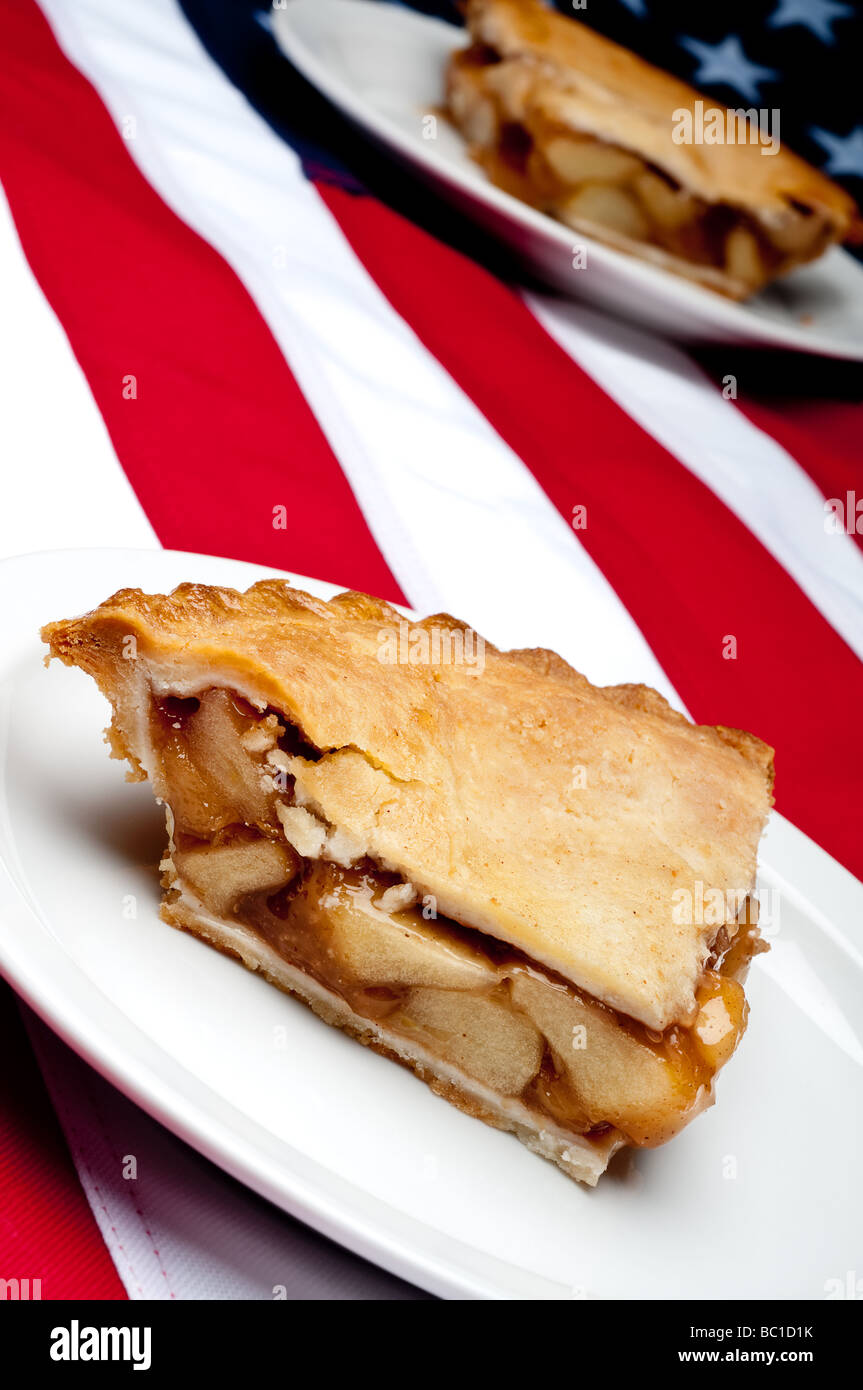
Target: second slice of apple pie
[[480, 871], [583, 129]]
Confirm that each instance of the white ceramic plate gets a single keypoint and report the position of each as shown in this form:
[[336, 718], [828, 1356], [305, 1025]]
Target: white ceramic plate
[[382, 66], [760, 1196]]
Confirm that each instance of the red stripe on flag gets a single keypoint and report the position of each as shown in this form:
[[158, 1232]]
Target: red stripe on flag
[[47, 1231], [686, 568], [219, 433]]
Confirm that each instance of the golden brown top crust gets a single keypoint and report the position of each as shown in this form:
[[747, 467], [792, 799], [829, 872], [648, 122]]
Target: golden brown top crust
[[568, 820], [592, 84]]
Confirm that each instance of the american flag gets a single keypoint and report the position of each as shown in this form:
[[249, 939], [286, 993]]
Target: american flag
[[308, 326]]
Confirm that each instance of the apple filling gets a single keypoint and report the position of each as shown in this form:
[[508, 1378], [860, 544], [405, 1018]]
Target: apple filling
[[611, 192], [244, 849]]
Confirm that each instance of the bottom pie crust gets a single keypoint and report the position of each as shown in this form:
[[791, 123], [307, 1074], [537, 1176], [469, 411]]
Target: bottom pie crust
[[583, 1159]]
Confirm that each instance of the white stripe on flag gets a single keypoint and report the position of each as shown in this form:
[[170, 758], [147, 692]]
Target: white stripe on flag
[[661, 387], [62, 484], [460, 519]]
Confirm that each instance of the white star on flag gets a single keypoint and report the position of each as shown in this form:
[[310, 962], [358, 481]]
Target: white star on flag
[[817, 15], [727, 63], [844, 152]]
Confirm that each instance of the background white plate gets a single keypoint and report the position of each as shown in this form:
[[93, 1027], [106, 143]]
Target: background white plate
[[760, 1196], [383, 67]]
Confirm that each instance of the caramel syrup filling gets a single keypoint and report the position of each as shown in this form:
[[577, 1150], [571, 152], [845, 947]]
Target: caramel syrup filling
[[480, 1006]]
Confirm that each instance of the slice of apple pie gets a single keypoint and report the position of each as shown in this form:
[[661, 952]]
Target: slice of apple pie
[[585, 130], [492, 871]]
